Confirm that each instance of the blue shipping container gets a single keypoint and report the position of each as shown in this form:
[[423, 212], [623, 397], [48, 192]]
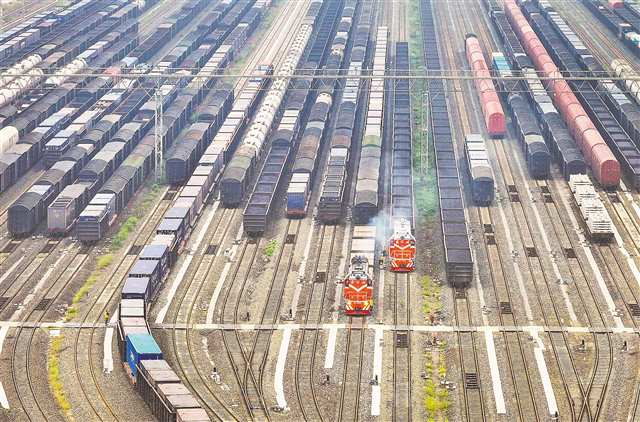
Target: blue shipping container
[[296, 199], [141, 347]]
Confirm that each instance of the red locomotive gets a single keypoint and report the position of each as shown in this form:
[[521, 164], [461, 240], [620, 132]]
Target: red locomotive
[[358, 287], [402, 247]]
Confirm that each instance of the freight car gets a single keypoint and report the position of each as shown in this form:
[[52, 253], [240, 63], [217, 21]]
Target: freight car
[[533, 146], [554, 130], [367, 197], [239, 173], [297, 109], [457, 250], [588, 100], [494, 119], [482, 183], [602, 161], [594, 216]]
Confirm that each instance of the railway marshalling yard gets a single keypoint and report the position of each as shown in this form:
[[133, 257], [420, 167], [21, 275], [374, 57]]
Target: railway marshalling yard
[[255, 327]]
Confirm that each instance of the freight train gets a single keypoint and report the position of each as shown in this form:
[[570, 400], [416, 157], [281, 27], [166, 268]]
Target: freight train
[[367, 197], [492, 111], [240, 171], [457, 249], [348, 116], [358, 286], [158, 384], [402, 247], [604, 164]]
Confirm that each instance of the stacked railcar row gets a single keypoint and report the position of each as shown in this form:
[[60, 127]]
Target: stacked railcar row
[[53, 32], [29, 32], [198, 135], [297, 110], [349, 107], [626, 32], [457, 250], [554, 130], [366, 203], [625, 150], [305, 164], [559, 141], [18, 100], [142, 282], [603, 163], [85, 49], [24, 217], [401, 167], [482, 183], [239, 173], [494, 119]]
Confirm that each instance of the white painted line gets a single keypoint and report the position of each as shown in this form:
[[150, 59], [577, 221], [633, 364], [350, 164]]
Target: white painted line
[[3, 396], [516, 266], [280, 365], [305, 257], [6, 274], [377, 372], [107, 360], [4, 402], [547, 244], [344, 266], [604, 290], [544, 373], [174, 288], [498, 395], [218, 289], [185, 265], [380, 287], [331, 348], [202, 231]]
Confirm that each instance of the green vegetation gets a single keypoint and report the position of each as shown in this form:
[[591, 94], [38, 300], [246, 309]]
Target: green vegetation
[[431, 292], [105, 261], [53, 369], [271, 248], [124, 232], [424, 179]]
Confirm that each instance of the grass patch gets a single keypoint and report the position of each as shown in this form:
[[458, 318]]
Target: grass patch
[[53, 369], [431, 292], [124, 232], [425, 186], [271, 248], [105, 261]]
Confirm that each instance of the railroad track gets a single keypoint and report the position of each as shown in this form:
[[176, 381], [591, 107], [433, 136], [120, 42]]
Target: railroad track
[[591, 406], [472, 392], [305, 363], [352, 372], [84, 355], [181, 341], [401, 283], [268, 49], [22, 361]]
